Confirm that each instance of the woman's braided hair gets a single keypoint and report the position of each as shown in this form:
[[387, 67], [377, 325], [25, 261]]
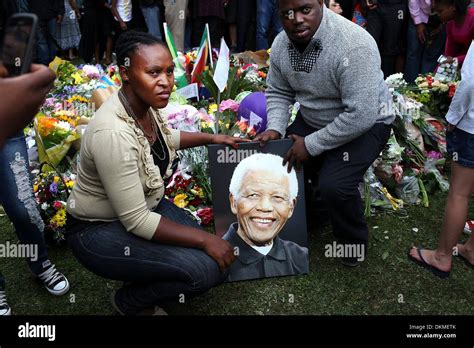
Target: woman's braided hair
[[129, 42]]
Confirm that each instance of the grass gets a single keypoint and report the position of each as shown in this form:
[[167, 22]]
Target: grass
[[387, 283]]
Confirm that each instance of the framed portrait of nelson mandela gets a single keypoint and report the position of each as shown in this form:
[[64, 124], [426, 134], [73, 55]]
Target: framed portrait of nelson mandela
[[259, 209]]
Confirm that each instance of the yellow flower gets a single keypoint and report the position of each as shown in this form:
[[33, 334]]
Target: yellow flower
[[77, 78], [35, 188], [56, 179], [212, 108], [180, 201], [59, 220], [70, 184]]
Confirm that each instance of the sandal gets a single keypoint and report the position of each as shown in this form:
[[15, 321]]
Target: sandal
[[422, 262]]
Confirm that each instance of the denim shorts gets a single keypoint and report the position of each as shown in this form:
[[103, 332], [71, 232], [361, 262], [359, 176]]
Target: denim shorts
[[460, 146]]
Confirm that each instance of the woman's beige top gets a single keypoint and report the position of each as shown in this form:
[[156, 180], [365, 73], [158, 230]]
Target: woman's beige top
[[117, 178]]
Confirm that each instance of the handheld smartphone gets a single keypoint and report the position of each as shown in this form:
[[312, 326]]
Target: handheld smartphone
[[18, 43]]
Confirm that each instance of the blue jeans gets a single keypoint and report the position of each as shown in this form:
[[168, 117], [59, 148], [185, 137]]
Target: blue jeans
[[154, 273], [46, 47], [267, 14], [422, 58], [152, 19], [18, 199]]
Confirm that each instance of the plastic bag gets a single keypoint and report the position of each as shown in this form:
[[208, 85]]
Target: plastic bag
[[409, 190]]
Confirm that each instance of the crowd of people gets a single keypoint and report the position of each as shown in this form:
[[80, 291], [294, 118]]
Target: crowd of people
[[411, 35], [119, 203]]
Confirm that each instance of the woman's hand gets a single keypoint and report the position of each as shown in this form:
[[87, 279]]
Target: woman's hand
[[222, 139], [220, 250]]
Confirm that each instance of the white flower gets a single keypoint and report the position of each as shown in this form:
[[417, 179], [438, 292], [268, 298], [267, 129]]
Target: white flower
[[64, 125], [44, 206]]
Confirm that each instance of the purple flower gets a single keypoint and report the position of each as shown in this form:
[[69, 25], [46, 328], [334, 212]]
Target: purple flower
[[53, 188], [434, 155]]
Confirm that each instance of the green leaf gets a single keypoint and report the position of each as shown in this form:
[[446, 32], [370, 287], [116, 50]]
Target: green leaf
[[385, 255]]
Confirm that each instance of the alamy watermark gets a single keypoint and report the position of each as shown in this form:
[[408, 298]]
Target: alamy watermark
[[29, 251], [336, 250]]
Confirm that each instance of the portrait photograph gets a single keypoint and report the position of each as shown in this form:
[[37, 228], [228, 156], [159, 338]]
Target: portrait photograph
[[260, 210]]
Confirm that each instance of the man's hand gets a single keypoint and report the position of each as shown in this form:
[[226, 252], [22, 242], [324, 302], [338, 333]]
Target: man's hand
[[59, 19], [297, 155], [420, 32], [222, 139], [220, 250], [266, 136]]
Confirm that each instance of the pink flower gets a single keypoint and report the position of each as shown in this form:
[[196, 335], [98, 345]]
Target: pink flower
[[434, 155], [57, 205], [230, 104]]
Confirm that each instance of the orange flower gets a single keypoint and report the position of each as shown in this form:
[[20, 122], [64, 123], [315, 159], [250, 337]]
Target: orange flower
[[46, 125]]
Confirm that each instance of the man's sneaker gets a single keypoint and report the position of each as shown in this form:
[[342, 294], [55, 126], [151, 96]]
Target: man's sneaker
[[54, 281], [4, 307], [158, 311]]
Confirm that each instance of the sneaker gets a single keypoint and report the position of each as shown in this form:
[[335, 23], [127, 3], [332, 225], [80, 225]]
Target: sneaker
[[54, 281], [4, 307], [469, 227]]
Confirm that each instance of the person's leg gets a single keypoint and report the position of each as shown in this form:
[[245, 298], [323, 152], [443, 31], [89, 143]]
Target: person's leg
[[460, 191], [176, 18], [42, 50], [52, 43], [276, 22], [154, 273], [341, 173], [414, 53], [374, 25], [245, 10], [393, 17], [432, 52], [264, 17], [152, 19], [18, 200]]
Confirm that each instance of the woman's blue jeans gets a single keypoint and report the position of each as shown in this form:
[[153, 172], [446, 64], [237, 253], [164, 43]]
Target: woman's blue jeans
[[152, 19], [18, 200], [267, 14], [153, 273]]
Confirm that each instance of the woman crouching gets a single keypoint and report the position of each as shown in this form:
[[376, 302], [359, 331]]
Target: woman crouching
[[119, 226]]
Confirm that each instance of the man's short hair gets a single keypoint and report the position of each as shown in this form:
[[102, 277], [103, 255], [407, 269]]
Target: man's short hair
[[264, 162]]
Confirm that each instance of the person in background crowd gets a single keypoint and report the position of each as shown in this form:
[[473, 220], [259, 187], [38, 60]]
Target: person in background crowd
[[333, 6], [68, 33], [246, 10], [460, 141], [385, 20], [267, 16], [105, 37], [210, 12], [50, 13], [25, 95], [425, 39], [348, 7], [122, 11], [459, 27], [231, 17], [176, 14], [7, 8], [151, 13]]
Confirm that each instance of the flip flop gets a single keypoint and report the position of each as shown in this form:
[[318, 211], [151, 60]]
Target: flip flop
[[422, 262]]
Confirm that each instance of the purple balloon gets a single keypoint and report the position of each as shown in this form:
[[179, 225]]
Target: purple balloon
[[254, 103]]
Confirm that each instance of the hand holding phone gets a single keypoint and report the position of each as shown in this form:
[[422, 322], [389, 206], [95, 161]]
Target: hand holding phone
[[18, 43]]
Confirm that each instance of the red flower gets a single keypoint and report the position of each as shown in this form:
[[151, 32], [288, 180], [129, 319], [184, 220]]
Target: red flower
[[196, 202], [452, 90], [206, 215]]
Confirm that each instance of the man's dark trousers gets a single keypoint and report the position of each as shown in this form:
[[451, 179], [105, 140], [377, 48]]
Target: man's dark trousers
[[341, 170]]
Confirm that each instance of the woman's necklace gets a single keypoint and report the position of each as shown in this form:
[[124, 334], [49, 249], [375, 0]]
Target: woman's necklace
[[150, 137]]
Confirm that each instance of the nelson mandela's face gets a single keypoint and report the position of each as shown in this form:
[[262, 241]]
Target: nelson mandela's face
[[263, 206]]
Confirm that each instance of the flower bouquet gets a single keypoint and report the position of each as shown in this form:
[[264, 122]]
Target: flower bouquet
[[51, 192]]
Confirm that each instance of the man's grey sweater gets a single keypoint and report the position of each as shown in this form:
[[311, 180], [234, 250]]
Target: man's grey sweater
[[337, 80]]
